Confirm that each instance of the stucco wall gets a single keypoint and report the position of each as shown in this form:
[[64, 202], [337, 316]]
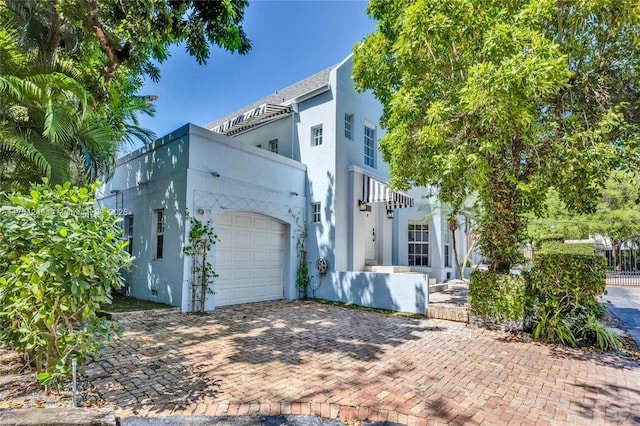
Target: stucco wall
[[153, 177], [402, 292], [250, 180]]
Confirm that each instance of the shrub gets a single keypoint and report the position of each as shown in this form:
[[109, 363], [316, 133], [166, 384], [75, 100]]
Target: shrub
[[496, 297], [570, 279], [555, 247], [564, 288], [59, 260]]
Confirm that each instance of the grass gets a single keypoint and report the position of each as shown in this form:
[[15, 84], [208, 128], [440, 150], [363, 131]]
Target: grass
[[130, 304], [368, 309]]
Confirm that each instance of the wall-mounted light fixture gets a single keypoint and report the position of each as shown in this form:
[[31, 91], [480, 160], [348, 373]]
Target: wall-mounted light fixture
[[215, 174], [140, 183], [115, 191], [294, 193], [200, 211], [362, 206], [389, 214]]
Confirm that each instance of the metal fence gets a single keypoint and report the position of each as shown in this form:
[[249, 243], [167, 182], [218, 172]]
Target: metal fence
[[622, 260]]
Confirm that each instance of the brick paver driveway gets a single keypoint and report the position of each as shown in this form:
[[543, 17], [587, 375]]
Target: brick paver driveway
[[308, 358]]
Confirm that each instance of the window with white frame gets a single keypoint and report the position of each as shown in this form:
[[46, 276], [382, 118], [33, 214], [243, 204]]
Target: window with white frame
[[447, 248], [316, 135], [418, 244], [315, 213], [369, 146], [273, 145], [128, 232], [158, 231], [348, 126]]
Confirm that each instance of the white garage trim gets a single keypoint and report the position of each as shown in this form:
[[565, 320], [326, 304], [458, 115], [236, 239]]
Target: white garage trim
[[250, 259]]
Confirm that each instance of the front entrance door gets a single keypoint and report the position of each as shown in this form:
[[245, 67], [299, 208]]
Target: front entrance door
[[370, 237]]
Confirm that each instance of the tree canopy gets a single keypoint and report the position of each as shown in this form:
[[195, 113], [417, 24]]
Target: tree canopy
[[71, 73], [505, 99], [616, 214]]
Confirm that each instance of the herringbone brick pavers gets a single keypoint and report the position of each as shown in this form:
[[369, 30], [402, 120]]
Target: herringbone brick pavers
[[308, 358]]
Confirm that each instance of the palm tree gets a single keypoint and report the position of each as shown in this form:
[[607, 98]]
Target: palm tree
[[50, 124]]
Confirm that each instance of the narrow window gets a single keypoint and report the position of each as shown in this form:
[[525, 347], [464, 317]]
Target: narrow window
[[447, 248], [348, 126], [128, 232], [369, 146], [316, 135], [159, 233], [315, 212], [418, 244], [273, 146]]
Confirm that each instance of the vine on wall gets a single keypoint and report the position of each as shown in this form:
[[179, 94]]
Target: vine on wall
[[201, 238], [302, 273]]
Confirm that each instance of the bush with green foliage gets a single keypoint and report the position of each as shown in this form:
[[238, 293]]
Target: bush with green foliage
[[564, 288], [555, 247], [59, 259], [496, 297]]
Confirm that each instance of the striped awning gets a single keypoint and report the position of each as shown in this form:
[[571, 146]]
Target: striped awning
[[374, 191], [258, 115]]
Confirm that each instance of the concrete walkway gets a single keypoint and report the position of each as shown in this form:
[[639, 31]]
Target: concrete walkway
[[305, 358]]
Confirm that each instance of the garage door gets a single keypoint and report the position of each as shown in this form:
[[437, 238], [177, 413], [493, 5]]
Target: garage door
[[249, 259]]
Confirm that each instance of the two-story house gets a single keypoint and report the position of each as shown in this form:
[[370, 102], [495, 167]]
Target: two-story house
[[302, 159]]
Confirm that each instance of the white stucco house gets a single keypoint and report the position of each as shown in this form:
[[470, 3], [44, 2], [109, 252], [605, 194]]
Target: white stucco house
[[306, 155]]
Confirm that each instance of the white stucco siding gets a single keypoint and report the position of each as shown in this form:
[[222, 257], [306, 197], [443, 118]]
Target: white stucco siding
[[321, 174], [152, 178]]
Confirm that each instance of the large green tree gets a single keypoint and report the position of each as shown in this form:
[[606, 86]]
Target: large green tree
[[506, 99]]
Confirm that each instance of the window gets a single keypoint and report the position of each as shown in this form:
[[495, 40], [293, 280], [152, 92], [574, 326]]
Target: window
[[315, 212], [447, 248], [128, 232], [273, 146], [369, 146], [418, 244], [159, 233], [348, 126], [316, 135]]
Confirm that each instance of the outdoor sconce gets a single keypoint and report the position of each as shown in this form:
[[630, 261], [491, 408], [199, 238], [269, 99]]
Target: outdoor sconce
[[215, 174], [362, 206], [200, 211], [389, 214]]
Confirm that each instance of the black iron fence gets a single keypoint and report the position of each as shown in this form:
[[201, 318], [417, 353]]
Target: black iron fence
[[622, 260]]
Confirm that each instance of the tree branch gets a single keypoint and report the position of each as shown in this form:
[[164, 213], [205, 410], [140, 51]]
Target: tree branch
[[113, 59]]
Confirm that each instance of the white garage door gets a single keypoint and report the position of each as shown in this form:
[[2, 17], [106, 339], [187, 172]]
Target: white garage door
[[249, 259]]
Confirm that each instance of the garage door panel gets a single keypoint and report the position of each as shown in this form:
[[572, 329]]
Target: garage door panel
[[261, 223], [242, 221], [252, 257]]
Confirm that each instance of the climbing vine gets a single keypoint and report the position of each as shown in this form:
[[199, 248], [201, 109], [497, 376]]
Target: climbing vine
[[302, 273], [201, 238]]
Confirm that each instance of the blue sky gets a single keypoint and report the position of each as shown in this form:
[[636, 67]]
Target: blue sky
[[291, 41]]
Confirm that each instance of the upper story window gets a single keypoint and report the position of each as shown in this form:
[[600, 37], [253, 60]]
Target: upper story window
[[369, 146], [158, 231], [348, 126], [418, 244], [316, 135], [315, 213], [273, 146]]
